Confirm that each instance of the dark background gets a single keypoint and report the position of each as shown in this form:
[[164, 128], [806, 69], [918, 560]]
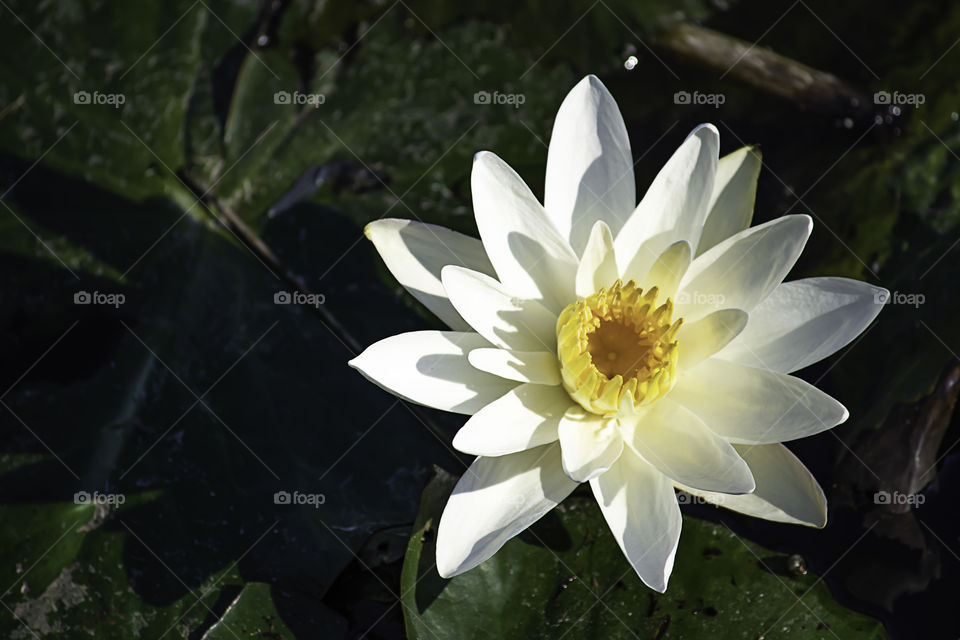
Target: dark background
[[198, 398]]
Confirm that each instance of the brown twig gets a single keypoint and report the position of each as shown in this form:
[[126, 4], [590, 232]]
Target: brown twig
[[764, 69]]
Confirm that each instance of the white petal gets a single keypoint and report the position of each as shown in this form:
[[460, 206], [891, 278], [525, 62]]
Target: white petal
[[590, 443], [668, 270], [805, 321], [734, 193], [786, 491], [525, 417], [530, 256], [744, 269], [415, 253], [755, 406], [506, 321], [641, 509], [701, 339], [589, 166], [539, 367], [675, 441], [496, 499], [598, 266], [674, 206], [431, 368]]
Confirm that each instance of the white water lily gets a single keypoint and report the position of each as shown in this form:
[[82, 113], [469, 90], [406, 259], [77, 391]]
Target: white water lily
[[638, 347]]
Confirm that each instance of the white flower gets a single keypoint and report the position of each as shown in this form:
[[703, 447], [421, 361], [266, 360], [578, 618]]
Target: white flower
[[641, 348]]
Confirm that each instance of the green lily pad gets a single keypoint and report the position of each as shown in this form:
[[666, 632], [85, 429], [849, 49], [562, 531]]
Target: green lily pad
[[567, 577]]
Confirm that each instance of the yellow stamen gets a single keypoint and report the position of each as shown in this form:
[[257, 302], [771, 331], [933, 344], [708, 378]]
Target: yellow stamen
[[617, 342]]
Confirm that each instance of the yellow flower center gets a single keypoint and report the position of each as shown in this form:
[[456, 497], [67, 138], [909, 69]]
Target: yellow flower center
[[617, 342]]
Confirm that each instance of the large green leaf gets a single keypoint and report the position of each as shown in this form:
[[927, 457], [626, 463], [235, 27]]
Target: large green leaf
[[567, 577], [198, 398]]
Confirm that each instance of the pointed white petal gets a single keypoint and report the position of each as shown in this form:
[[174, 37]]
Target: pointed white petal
[[496, 499], [786, 491], [805, 321], [668, 270], [675, 441], [589, 166], [590, 443], [755, 406], [701, 339], [431, 368], [415, 253], [598, 266], [530, 256], [539, 367], [734, 193], [506, 321], [525, 417], [674, 206], [641, 509], [743, 269]]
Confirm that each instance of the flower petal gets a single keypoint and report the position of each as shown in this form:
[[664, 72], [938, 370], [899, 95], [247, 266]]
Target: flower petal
[[755, 406], [675, 441], [539, 367], [506, 321], [530, 256], [590, 443], [734, 192], [431, 368], [668, 270], [708, 335], [415, 253], [674, 206], [598, 266], [525, 417], [805, 321], [496, 499], [786, 491], [641, 509], [744, 269], [589, 165]]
